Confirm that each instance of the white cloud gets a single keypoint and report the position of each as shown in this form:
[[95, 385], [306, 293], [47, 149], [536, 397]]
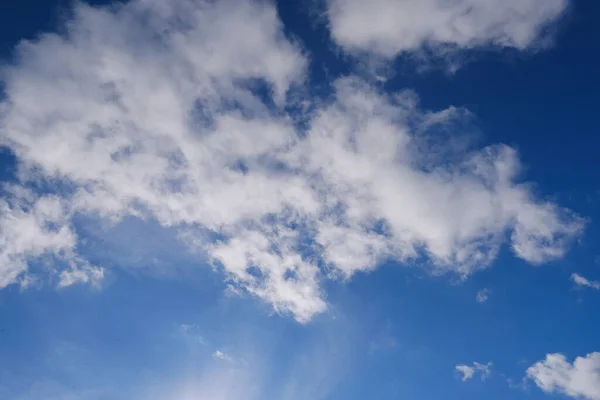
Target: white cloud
[[222, 356], [390, 27], [37, 227], [482, 295], [158, 110], [581, 379], [468, 372], [583, 282], [81, 274]]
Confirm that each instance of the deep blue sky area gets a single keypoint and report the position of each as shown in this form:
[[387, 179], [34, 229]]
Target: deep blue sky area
[[166, 324]]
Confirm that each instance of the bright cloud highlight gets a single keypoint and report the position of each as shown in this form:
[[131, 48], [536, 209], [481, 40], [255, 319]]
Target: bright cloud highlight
[[581, 379], [390, 27]]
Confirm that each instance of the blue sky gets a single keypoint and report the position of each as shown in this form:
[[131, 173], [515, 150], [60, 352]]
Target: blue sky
[[307, 200]]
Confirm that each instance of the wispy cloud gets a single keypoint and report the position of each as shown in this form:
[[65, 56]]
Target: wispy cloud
[[222, 356], [583, 282], [254, 369], [468, 372], [482, 295], [193, 332], [82, 273]]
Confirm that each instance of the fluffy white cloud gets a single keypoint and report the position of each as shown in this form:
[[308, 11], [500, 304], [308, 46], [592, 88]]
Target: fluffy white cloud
[[468, 372], [389, 27], [584, 282], [37, 228], [482, 295], [581, 379], [180, 111]]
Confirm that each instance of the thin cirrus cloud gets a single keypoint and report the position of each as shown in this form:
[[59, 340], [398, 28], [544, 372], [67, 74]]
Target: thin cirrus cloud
[[482, 295], [156, 110], [390, 27], [578, 380], [581, 281]]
